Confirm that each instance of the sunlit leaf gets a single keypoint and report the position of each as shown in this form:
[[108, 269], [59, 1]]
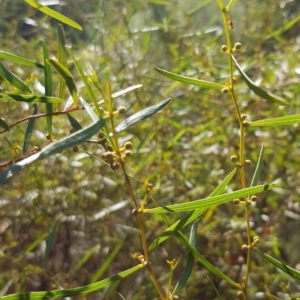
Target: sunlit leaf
[[191, 217], [88, 88], [258, 167], [67, 76], [231, 4], [202, 83], [286, 120], [257, 90], [20, 60], [83, 290], [13, 79], [211, 201], [142, 115], [286, 269], [54, 14], [69, 141], [29, 129], [189, 262]]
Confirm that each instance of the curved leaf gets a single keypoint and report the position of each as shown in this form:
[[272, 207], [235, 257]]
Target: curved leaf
[[13, 79], [54, 14], [142, 115], [74, 123], [257, 90], [286, 269], [29, 129], [62, 58], [4, 124], [258, 167], [189, 263], [189, 218], [83, 290], [211, 201], [69, 141], [202, 83], [20, 60], [31, 98], [67, 76], [286, 120]]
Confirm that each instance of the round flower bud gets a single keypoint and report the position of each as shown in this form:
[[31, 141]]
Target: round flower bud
[[121, 109], [224, 48], [225, 90], [245, 247], [104, 155], [246, 123], [240, 294], [75, 149], [236, 201], [243, 117], [110, 148], [101, 135], [237, 46], [128, 145], [48, 137], [128, 153], [256, 240], [247, 162], [233, 158], [253, 198], [116, 165], [233, 80]]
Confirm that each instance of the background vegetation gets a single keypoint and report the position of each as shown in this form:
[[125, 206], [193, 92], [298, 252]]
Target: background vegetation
[[185, 150]]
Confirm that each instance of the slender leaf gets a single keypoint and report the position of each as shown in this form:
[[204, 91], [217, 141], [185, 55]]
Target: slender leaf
[[69, 141], [202, 83], [48, 87], [62, 58], [211, 201], [189, 218], [4, 124], [74, 123], [14, 79], [29, 129], [106, 263], [20, 60], [87, 86], [257, 90], [284, 28], [54, 14], [89, 110], [231, 4], [141, 115], [67, 76], [50, 242], [33, 245], [30, 98], [281, 121], [189, 263], [83, 290], [214, 287], [85, 258], [286, 269], [258, 166], [205, 262]]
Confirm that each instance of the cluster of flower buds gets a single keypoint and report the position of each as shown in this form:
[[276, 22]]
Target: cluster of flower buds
[[113, 158]]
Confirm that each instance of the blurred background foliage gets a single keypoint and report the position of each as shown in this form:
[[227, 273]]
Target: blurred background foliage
[[184, 150]]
